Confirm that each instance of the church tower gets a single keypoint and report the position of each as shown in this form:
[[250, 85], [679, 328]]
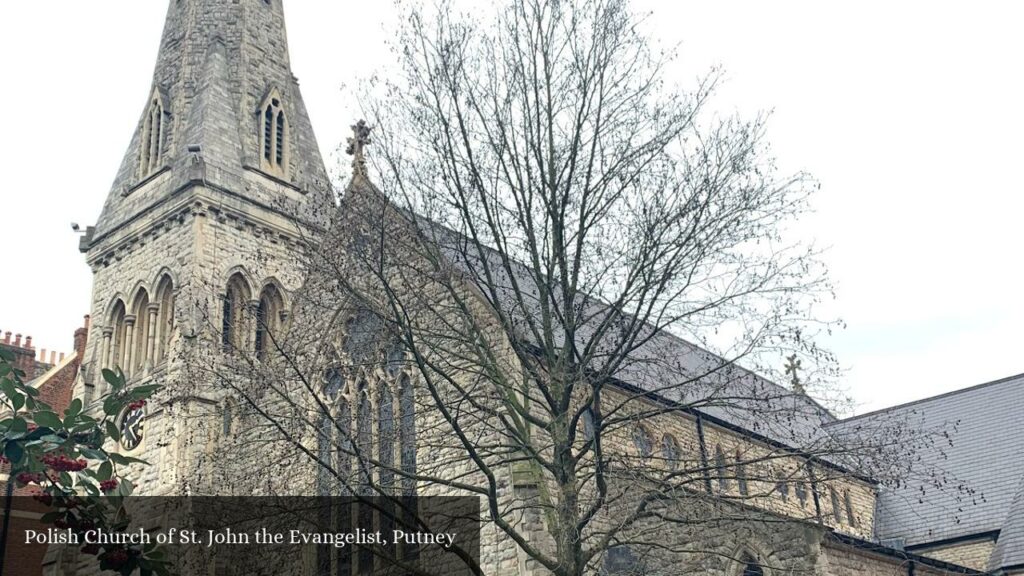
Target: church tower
[[220, 193]]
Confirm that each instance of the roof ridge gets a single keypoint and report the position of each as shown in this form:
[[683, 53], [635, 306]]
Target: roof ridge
[[973, 388]]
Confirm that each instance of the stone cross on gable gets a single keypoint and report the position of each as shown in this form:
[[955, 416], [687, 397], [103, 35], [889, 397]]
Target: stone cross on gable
[[356, 144], [792, 368]]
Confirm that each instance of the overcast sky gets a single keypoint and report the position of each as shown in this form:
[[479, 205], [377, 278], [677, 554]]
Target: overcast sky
[[911, 115]]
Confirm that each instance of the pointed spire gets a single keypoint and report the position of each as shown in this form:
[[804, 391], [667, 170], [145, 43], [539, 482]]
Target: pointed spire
[[221, 64]]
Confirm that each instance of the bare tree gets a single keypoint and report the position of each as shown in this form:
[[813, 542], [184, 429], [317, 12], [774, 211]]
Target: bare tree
[[565, 267]]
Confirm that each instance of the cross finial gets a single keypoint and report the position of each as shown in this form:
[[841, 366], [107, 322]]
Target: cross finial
[[356, 143], [792, 367]]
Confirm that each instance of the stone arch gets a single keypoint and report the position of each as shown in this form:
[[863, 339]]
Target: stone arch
[[137, 289], [238, 270], [270, 318], [140, 335], [114, 334], [164, 298], [748, 561], [164, 273]]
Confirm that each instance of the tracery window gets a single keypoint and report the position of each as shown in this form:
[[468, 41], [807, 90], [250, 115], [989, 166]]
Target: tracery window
[[373, 416], [274, 134]]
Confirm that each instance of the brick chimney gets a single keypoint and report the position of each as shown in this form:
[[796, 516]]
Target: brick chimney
[[81, 337], [24, 354]]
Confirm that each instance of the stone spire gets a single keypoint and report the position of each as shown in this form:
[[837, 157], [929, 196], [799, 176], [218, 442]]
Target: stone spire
[[221, 65]]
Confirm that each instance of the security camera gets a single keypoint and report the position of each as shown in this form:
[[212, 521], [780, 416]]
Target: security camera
[[75, 226]]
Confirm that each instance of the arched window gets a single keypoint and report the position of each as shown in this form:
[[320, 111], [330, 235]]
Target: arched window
[[268, 320], [274, 135], [236, 296], [165, 319], [642, 441], [407, 431], [750, 566], [782, 487], [141, 336], [115, 348], [670, 451], [364, 431], [152, 137], [741, 474], [850, 518], [801, 493], [407, 457], [836, 513], [722, 469], [386, 451], [588, 424]]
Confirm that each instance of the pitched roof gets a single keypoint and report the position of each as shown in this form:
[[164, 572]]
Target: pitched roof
[[1009, 549], [968, 485], [665, 364]]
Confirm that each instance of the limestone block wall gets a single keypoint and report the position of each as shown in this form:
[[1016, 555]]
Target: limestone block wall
[[849, 561], [755, 473], [974, 554]]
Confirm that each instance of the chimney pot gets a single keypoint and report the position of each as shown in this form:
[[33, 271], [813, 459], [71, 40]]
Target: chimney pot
[[7, 337], [17, 340], [42, 355], [61, 357], [28, 342], [53, 357]]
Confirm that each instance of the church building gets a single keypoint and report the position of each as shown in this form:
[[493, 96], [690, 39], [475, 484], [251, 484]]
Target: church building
[[201, 274]]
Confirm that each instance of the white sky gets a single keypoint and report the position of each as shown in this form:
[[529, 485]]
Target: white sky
[[910, 114]]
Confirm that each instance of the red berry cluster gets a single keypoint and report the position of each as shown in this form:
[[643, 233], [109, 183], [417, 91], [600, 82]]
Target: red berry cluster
[[4, 460], [136, 405], [62, 463], [91, 549], [29, 478], [109, 485], [46, 499]]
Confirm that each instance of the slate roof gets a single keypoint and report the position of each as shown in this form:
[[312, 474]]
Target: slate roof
[[724, 390], [984, 456]]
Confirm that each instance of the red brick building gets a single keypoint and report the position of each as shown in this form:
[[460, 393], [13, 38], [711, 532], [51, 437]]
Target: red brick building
[[54, 376]]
